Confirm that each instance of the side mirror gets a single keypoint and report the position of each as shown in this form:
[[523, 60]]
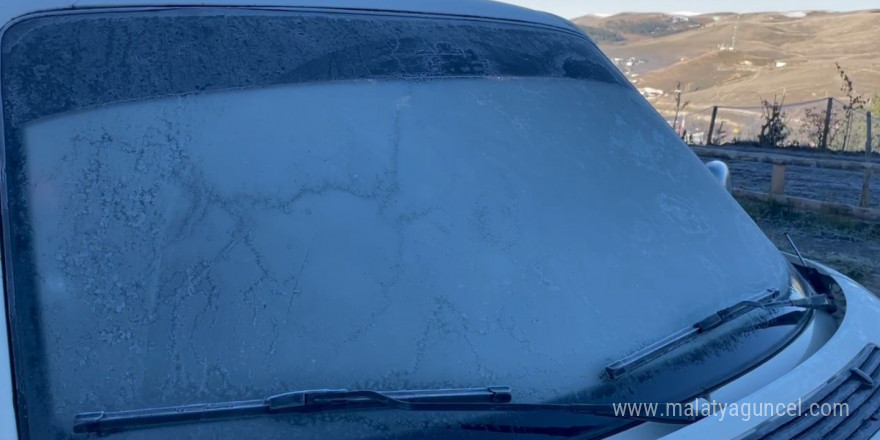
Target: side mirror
[[721, 172]]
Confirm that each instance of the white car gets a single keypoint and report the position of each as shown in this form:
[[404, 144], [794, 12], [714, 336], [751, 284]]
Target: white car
[[367, 219]]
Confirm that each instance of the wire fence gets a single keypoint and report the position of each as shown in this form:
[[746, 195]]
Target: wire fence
[[805, 125]]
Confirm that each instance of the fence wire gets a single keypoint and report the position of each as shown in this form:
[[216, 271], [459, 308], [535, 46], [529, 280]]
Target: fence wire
[[800, 124]]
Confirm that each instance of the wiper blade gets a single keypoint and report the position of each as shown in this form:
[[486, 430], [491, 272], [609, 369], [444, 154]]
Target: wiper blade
[[489, 399], [767, 300], [103, 422]]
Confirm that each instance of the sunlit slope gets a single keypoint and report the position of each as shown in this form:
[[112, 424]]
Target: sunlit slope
[[772, 54]]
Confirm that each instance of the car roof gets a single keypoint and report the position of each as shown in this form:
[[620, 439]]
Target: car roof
[[10, 9]]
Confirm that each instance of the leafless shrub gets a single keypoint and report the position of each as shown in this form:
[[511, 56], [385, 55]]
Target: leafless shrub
[[774, 128], [719, 137], [813, 126], [679, 106], [853, 102]]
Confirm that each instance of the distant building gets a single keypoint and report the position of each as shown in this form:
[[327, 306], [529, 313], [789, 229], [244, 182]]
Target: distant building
[[650, 92]]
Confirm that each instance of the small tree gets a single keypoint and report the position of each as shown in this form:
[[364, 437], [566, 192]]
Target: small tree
[[774, 128], [853, 102], [875, 114], [874, 104], [678, 107], [814, 126]]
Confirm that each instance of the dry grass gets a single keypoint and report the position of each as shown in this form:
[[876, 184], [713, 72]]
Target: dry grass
[[848, 245], [809, 45]]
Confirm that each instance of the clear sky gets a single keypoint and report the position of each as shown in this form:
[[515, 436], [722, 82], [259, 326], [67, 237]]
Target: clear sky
[[577, 8]]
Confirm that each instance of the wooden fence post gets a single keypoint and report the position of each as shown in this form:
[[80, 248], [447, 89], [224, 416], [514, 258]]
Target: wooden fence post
[[865, 197], [712, 125], [824, 144], [777, 181]]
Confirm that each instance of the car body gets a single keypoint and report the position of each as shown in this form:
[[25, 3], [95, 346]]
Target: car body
[[216, 203]]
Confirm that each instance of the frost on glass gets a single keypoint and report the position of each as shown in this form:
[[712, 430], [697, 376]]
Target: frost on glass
[[249, 203], [378, 235], [60, 63]]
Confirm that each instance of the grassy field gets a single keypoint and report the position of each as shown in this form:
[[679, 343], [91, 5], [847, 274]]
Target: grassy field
[[844, 244]]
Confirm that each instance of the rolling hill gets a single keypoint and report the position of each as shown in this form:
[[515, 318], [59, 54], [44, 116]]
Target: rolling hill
[[736, 59]]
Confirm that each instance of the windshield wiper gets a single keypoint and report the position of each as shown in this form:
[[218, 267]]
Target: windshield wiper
[[489, 399], [768, 300]]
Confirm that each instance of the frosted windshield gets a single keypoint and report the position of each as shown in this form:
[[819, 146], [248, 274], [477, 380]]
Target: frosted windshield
[[370, 234], [213, 204]]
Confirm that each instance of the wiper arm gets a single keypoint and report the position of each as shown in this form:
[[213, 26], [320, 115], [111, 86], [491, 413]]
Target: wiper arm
[[489, 399], [765, 301]]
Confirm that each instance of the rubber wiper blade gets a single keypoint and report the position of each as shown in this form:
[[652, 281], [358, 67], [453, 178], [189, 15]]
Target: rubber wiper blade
[[767, 300], [104, 422], [489, 399]]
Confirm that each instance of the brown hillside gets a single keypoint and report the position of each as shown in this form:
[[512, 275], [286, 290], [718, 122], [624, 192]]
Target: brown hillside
[[774, 53]]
